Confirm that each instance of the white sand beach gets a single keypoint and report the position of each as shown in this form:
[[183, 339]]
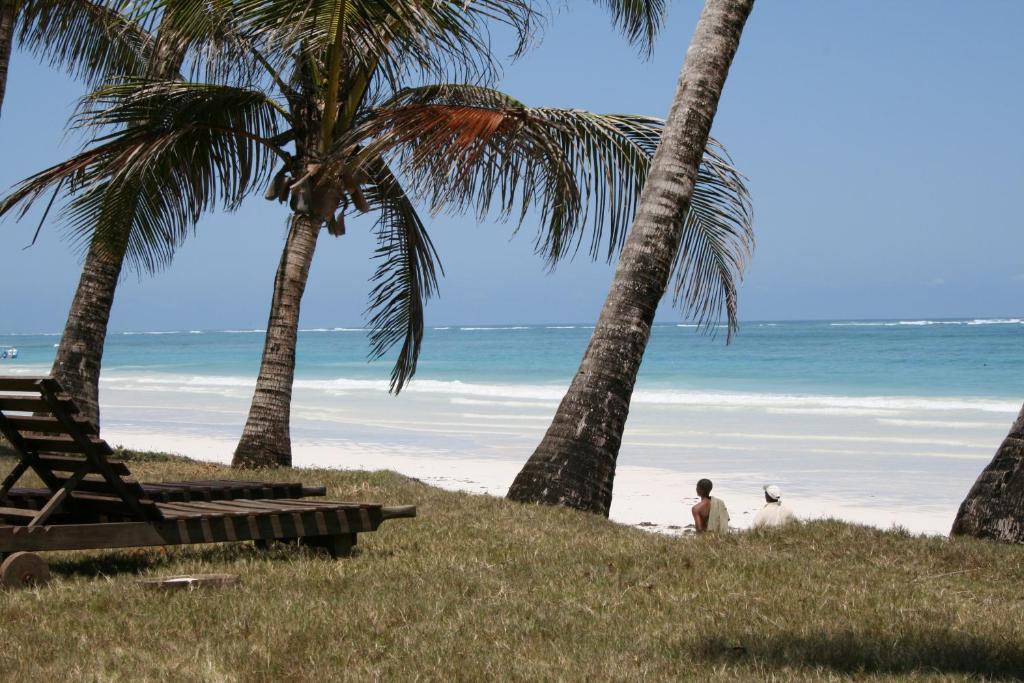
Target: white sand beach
[[877, 461]]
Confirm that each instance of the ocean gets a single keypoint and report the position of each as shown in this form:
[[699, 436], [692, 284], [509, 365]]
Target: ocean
[[881, 422]]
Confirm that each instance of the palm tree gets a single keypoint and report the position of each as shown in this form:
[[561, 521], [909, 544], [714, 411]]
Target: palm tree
[[8, 12], [89, 39], [994, 507], [458, 146], [79, 356], [93, 40], [705, 243]]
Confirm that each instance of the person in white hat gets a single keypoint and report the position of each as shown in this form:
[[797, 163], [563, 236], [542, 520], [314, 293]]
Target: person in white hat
[[774, 513]]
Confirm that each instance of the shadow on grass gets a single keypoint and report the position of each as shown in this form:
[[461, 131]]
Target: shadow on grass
[[936, 651], [132, 562]]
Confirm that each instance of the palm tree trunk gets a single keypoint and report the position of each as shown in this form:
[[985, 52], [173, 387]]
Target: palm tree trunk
[[7, 12], [994, 507], [80, 353], [574, 465], [266, 439]]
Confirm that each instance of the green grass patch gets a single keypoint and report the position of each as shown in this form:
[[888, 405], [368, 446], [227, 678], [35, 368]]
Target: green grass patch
[[477, 588]]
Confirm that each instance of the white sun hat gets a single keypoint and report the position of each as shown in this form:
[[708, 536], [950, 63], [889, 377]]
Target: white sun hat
[[773, 491]]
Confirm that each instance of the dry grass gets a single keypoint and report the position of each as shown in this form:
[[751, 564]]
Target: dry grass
[[478, 588]]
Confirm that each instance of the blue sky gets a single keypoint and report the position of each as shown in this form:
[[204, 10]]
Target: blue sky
[[882, 140]]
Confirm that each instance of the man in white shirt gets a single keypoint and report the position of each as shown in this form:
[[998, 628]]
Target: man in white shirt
[[774, 513]]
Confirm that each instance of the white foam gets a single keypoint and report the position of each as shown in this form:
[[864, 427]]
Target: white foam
[[506, 404], [334, 329], [244, 331], [132, 334], [881, 405], [923, 323], [480, 329], [505, 416], [996, 321], [943, 424], [560, 327]]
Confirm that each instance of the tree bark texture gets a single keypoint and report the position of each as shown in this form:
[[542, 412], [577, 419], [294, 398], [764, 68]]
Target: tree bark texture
[[8, 9], [574, 465], [994, 507], [80, 354], [266, 439]]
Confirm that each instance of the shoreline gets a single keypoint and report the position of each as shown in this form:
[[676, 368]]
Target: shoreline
[[649, 498], [880, 461]]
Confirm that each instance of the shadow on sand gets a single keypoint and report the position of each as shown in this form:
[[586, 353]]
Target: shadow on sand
[[938, 652]]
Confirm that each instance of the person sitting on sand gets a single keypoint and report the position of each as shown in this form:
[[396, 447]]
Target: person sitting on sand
[[774, 513], [710, 513]]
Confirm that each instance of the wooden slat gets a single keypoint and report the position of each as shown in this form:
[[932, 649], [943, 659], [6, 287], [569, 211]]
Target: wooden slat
[[307, 491], [21, 497], [25, 404], [172, 511], [28, 403], [261, 506], [57, 444], [47, 424], [145, 509], [99, 503], [19, 383], [79, 536], [69, 463], [14, 438], [18, 512], [223, 507], [100, 486], [398, 511]]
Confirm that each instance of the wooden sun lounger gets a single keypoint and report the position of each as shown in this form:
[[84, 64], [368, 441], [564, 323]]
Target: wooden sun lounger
[[90, 501], [187, 491]]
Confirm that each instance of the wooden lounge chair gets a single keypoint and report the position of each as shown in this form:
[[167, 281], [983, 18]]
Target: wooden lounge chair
[[89, 500], [186, 491]]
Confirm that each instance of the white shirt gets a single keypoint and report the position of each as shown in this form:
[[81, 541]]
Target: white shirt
[[773, 514]]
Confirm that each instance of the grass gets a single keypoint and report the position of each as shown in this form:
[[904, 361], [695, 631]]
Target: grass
[[478, 588]]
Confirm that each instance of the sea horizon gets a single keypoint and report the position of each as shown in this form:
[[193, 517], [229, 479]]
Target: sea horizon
[[994, 319]]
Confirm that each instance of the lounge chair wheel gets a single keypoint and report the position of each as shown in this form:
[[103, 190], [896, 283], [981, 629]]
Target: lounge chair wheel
[[24, 570]]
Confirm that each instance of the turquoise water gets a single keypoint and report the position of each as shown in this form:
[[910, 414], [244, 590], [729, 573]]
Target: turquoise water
[[934, 358], [880, 422]]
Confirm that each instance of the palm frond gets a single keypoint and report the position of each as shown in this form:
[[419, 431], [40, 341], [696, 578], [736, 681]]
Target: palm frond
[[89, 39], [639, 20], [184, 148], [716, 243], [221, 50], [473, 148], [404, 39], [406, 274]]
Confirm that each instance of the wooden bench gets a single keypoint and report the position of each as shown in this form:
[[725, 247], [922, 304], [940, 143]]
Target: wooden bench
[[91, 501]]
